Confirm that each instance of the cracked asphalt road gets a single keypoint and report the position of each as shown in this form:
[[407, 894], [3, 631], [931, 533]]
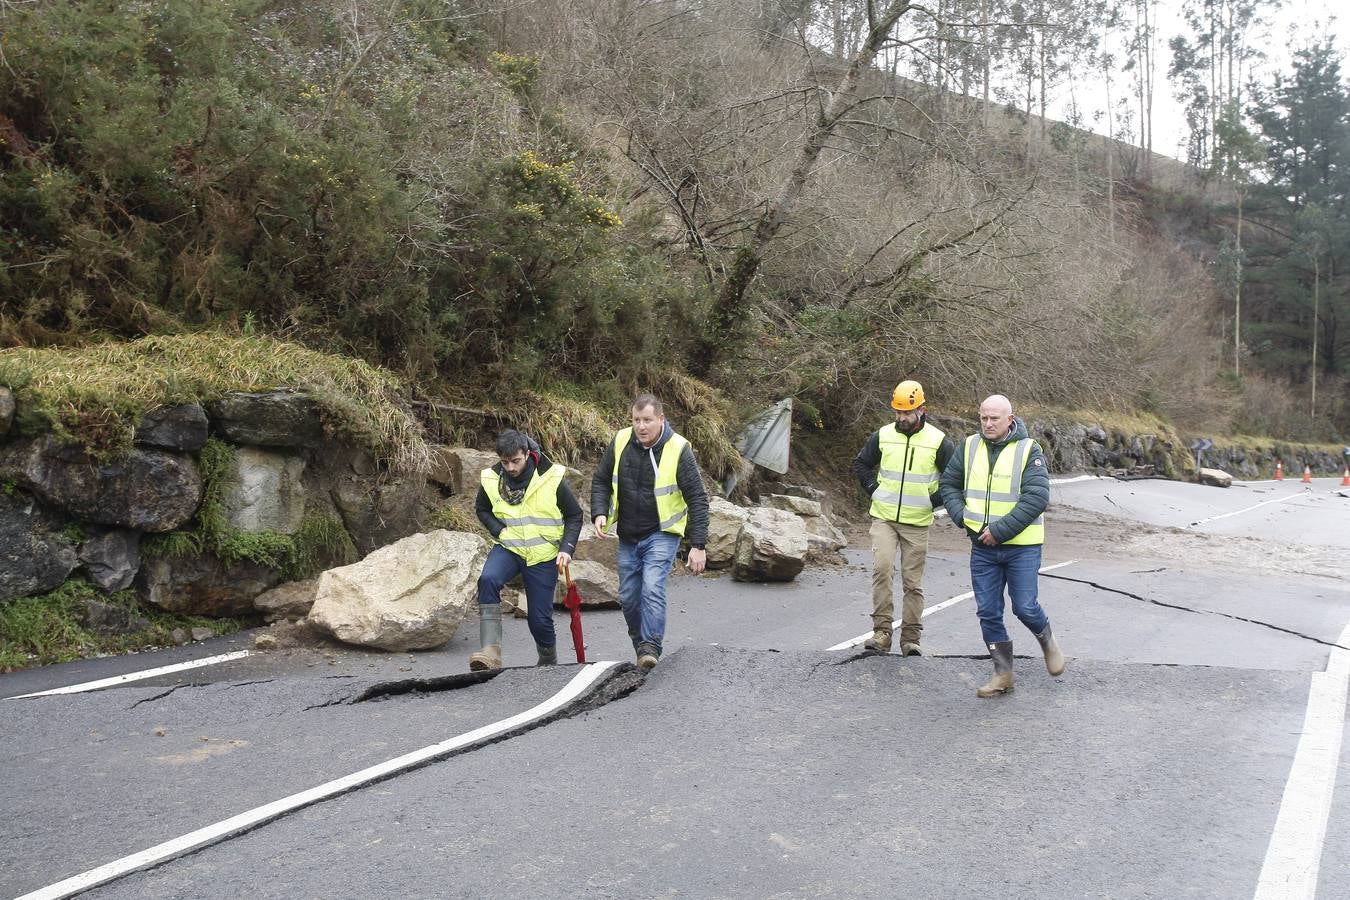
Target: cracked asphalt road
[[1154, 767]]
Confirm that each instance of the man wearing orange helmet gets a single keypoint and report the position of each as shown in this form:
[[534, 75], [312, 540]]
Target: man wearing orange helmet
[[899, 468]]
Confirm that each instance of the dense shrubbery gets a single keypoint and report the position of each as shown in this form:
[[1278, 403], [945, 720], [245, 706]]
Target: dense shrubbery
[[384, 187]]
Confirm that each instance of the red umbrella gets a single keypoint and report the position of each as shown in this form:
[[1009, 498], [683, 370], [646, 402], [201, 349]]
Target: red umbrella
[[573, 603]]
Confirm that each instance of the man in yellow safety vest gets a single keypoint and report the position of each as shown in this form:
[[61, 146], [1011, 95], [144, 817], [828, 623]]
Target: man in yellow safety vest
[[997, 487], [648, 489], [534, 519], [898, 468]]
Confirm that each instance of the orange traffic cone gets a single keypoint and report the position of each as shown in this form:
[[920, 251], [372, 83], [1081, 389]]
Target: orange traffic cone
[[1279, 470], [1307, 474], [1345, 479]]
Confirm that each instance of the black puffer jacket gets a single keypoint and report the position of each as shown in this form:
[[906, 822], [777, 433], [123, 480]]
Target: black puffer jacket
[[1035, 496], [637, 490]]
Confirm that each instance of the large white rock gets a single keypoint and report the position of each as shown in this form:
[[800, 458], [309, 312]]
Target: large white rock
[[409, 595], [772, 547], [724, 527]]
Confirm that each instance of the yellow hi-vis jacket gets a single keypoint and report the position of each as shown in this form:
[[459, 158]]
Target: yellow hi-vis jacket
[[908, 475], [671, 509], [534, 526], [991, 495]]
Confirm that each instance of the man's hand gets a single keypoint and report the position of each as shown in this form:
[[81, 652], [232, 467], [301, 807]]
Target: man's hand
[[564, 560], [599, 524], [988, 539], [698, 560]]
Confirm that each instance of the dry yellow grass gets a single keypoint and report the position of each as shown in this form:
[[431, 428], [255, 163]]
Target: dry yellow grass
[[97, 392]]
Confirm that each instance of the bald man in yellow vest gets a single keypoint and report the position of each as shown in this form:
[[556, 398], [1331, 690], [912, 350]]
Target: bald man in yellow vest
[[997, 487]]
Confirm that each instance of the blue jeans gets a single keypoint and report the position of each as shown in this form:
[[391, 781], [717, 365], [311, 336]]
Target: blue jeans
[[1012, 566], [643, 568], [502, 565]]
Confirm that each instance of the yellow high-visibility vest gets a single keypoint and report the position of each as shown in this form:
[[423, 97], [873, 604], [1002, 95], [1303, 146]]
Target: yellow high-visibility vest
[[671, 509], [908, 476], [991, 495], [534, 526]]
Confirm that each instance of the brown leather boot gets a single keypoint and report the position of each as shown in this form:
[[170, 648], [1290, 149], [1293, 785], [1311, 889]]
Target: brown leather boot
[[1054, 659], [1002, 682]]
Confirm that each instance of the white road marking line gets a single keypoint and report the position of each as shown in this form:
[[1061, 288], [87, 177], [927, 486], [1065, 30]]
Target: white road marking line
[[1248, 509], [937, 607], [136, 676], [243, 821], [1295, 851]]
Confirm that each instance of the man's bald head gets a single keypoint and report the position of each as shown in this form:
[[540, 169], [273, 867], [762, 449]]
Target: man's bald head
[[996, 417]]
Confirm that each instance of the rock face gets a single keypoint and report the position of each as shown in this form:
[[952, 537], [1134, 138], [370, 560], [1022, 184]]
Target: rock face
[[149, 490], [462, 467], [598, 586], [264, 492], [203, 585], [772, 547], [6, 410], [34, 558], [410, 595], [724, 527], [291, 600], [1214, 477], [376, 513], [111, 557], [278, 418], [181, 428]]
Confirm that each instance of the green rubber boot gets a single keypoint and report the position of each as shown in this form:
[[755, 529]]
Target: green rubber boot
[[489, 637]]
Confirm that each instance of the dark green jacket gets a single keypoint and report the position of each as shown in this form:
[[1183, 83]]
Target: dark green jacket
[[1035, 495]]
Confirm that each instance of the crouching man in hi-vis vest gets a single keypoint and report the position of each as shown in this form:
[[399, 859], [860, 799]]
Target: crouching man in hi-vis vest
[[997, 486], [535, 520], [649, 490], [898, 468]]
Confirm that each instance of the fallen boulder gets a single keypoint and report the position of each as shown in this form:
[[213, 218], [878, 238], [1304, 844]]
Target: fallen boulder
[[409, 595], [823, 539], [593, 548], [724, 527], [772, 546], [598, 586], [1214, 477]]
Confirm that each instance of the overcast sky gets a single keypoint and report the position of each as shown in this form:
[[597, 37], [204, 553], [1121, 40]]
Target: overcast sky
[[1298, 23]]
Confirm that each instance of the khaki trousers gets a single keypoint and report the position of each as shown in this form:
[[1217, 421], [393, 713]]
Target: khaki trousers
[[912, 542]]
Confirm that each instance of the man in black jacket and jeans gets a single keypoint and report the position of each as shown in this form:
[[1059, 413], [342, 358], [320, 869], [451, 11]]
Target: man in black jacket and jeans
[[648, 489]]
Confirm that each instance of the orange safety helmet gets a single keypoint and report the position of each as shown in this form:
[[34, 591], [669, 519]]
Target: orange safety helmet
[[908, 395]]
